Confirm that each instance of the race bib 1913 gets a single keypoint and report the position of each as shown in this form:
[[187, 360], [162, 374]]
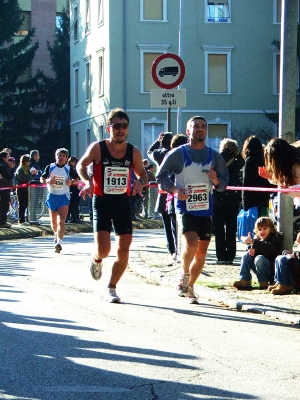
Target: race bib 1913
[[115, 180]]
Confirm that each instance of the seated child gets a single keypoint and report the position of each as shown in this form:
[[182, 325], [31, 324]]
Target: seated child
[[261, 254]]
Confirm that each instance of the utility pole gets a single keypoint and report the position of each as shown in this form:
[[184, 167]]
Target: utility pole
[[180, 46], [287, 104]]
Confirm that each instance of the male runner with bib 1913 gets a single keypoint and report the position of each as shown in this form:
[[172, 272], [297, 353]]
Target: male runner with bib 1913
[[59, 177], [197, 168], [113, 160]]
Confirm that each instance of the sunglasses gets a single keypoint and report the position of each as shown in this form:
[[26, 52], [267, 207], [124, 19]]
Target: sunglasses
[[119, 125]]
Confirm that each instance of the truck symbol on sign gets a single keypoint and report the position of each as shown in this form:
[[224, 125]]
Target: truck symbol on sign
[[168, 71]]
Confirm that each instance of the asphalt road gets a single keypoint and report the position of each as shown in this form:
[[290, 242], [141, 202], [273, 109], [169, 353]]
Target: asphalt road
[[60, 340]]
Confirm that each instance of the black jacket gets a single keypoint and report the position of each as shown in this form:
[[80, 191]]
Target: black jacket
[[270, 248], [250, 177], [231, 198], [7, 175]]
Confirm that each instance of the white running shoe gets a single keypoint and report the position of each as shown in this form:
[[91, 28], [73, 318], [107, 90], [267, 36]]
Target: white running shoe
[[182, 284], [191, 297], [96, 270], [111, 296]]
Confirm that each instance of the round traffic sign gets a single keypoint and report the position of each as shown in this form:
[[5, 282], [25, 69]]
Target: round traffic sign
[[168, 70]]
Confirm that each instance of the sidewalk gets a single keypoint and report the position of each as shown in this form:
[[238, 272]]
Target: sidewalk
[[153, 262], [215, 283]]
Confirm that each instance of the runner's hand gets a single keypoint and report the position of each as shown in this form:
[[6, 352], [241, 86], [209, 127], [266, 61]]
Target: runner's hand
[[88, 189]]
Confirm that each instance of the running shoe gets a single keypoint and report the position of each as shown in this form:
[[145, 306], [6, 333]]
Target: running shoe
[[182, 284], [58, 248], [111, 296], [96, 270], [191, 297]]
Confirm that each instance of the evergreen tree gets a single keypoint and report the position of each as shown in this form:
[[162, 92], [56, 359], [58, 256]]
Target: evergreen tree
[[19, 98]]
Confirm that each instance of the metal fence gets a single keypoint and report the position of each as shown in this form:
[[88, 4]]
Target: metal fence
[[152, 193], [37, 208]]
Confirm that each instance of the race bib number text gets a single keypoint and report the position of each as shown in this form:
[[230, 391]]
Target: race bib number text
[[115, 180], [198, 198]]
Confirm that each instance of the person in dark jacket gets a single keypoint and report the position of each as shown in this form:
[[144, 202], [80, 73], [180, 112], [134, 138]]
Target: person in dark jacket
[[35, 166], [73, 214], [254, 158], [227, 204], [23, 175], [156, 153], [261, 254], [6, 177]]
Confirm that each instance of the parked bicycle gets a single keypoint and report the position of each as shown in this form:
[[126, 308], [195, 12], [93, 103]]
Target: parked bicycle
[[13, 214]]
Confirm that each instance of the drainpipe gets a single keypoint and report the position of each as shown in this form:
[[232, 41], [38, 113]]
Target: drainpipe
[[124, 56], [287, 104], [180, 46]]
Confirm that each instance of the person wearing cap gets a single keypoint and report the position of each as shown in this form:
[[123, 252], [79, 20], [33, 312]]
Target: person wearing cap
[[59, 177], [23, 175], [6, 176]]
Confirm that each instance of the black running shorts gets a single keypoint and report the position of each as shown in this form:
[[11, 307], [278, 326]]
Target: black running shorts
[[201, 225], [112, 211]]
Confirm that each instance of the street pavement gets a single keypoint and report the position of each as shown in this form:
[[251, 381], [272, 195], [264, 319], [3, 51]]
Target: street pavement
[[152, 262]]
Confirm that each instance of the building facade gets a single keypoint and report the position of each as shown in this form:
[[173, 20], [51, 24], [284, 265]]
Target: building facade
[[229, 49], [41, 15]]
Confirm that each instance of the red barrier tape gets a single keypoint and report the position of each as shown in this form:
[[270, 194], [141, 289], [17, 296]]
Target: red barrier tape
[[152, 185]]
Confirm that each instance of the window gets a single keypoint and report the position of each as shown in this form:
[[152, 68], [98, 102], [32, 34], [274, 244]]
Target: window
[[87, 80], [276, 72], [100, 132], [100, 12], [88, 136], [217, 130], [150, 131], [148, 53], [76, 83], [217, 11], [277, 11], [76, 142], [26, 24], [154, 10], [87, 17], [100, 72], [74, 25], [59, 21], [217, 69]]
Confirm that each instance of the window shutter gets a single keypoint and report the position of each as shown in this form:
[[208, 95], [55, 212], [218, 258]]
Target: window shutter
[[217, 73]]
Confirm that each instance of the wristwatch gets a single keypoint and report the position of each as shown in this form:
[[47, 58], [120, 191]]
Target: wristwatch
[[142, 181]]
